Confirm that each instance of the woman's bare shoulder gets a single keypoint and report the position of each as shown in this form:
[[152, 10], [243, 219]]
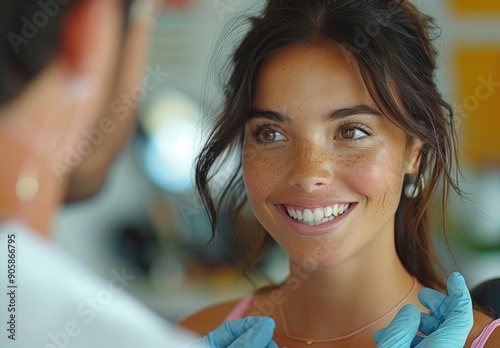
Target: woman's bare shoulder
[[209, 318], [481, 320], [494, 339]]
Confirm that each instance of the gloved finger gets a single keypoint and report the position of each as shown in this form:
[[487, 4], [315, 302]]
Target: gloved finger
[[438, 303], [378, 335], [434, 300], [416, 341], [454, 310], [429, 323], [460, 303], [459, 294], [402, 329], [230, 331], [259, 335]]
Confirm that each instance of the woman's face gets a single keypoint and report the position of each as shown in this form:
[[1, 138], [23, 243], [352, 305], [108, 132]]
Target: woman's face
[[323, 168]]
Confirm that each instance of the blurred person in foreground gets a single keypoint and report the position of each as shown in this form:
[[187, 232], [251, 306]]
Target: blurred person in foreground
[[62, 63]]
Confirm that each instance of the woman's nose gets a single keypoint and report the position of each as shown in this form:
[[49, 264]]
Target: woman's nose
[[311, 169]]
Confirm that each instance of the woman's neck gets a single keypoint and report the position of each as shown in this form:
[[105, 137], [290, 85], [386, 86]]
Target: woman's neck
[[326, 303]]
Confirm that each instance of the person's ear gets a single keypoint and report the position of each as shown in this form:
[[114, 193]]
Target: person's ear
[[84, 28], [91, 34], [413, 157]]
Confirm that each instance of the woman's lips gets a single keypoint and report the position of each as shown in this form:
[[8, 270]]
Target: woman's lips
[[315, 221]]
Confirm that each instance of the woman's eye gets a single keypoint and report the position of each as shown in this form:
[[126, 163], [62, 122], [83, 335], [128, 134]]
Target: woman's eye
[[268, 135], [352, 133]]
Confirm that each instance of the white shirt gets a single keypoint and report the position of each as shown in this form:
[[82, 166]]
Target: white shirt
[[49, 300]]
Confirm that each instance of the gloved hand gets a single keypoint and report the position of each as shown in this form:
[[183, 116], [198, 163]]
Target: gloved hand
[[249, 332], [448, 324]]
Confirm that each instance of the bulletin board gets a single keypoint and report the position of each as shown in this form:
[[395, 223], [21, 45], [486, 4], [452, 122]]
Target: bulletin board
[[478, 75], [477, 6]]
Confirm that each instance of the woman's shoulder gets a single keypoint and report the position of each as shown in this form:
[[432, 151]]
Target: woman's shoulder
[[481, 321], [209, 318]]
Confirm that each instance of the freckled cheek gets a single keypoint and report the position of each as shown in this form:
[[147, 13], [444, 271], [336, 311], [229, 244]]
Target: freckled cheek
[[261, 174]]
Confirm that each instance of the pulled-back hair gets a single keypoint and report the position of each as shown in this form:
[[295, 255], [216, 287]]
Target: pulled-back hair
[[393, 48]]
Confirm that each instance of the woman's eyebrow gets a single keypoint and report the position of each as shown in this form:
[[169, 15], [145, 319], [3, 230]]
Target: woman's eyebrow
[[360, 109], [268, 114]]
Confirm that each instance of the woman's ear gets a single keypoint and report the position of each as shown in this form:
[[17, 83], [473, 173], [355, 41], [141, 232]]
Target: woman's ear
[[413, 156]]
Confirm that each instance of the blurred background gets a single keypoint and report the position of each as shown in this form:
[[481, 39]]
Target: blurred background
[[148, 221]]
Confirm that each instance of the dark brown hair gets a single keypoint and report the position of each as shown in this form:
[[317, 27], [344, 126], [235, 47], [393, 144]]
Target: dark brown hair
[[393, 48]]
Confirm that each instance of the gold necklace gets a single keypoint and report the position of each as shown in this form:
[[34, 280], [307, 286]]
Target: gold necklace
[[310, 341]]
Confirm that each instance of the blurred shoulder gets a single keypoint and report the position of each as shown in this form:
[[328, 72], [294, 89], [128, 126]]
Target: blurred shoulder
[[209, 318], [481, 320]]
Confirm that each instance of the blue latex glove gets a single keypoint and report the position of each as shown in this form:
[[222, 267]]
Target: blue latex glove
[[249, 332], [448, 324]]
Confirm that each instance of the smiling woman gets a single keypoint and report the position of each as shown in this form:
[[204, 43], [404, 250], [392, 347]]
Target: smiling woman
[[333, 109], [331, 149]]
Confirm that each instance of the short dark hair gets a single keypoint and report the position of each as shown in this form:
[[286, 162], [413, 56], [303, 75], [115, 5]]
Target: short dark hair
[[29, 39]]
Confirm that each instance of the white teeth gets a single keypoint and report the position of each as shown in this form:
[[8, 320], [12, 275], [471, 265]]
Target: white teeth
[[307, 215], [318, 216], [328, 211], [336, 210]]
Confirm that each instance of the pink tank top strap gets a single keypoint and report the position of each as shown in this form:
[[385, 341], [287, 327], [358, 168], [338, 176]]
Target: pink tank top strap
[[239, 309], [480, 341]]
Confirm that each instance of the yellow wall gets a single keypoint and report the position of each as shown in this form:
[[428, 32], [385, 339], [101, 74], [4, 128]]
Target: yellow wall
[[478, 6], [478, 75]]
